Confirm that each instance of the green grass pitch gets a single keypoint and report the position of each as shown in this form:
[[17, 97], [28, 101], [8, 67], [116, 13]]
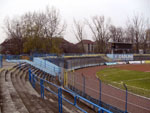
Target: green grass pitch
[[136, 81]]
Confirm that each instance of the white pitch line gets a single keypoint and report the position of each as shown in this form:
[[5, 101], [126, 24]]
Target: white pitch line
[[136, 79]]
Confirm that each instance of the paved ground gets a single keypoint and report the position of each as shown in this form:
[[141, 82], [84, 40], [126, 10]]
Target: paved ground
[[112, 95]]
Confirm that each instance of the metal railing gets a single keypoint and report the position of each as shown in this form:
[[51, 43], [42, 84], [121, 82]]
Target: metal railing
[[94, 90], [33, 80]]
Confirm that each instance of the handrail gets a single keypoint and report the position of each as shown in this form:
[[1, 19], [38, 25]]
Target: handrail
[[32, 79]]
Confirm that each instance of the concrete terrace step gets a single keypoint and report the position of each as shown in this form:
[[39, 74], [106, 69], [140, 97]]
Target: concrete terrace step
[[45, 102], [30, 97], [41, 74], [66, 107], [8, 105], [36, 100], [19, 87], [24, 93], [52, 102], [15, 97]]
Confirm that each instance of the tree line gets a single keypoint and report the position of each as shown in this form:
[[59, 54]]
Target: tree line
[[40, 31], [136, 32], [34, 32]]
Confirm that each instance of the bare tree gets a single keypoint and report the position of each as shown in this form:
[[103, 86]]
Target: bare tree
[[54, 27], [129, 32], [99, 27], [34, 31], [14, 33], [137, 25], [116, 33], [79, 32], [148, 39], [145, 38]]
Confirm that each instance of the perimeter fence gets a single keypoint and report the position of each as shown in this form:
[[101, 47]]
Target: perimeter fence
[[100, 92], [94, 90], [58, 91]]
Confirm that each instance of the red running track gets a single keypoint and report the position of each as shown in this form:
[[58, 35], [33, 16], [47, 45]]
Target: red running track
[[110, 94]]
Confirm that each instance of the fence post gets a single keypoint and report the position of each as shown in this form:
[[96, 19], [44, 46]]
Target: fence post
[[1, 61], [65, 79], [60, 99], [42, 88], [19, 66], [30, 75], [99, 110], [126, 97], [33, 80], [71, 64], [75, 100], [100, 92], [83, 84], [74, 80]]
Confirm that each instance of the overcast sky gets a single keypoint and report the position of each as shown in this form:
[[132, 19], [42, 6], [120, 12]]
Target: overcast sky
[[117, 10]]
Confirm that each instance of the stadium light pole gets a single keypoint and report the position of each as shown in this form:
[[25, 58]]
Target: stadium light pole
[[126, 97]]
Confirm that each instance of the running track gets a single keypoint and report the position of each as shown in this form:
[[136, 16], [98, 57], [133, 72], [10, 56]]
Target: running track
[[112, 95]]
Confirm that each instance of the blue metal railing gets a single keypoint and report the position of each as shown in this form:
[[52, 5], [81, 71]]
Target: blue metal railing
[[1, 61], [33, 79]]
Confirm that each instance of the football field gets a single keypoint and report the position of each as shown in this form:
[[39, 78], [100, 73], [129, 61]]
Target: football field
[[137, 81]]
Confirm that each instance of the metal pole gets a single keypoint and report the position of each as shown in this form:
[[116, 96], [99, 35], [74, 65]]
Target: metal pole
[[100, 90], [60, 100], [33, 80], [75, 100], [42, 88], [71, 64], [19, 66], [30, 75], [1, 61], [126, 97], [83, 84]]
